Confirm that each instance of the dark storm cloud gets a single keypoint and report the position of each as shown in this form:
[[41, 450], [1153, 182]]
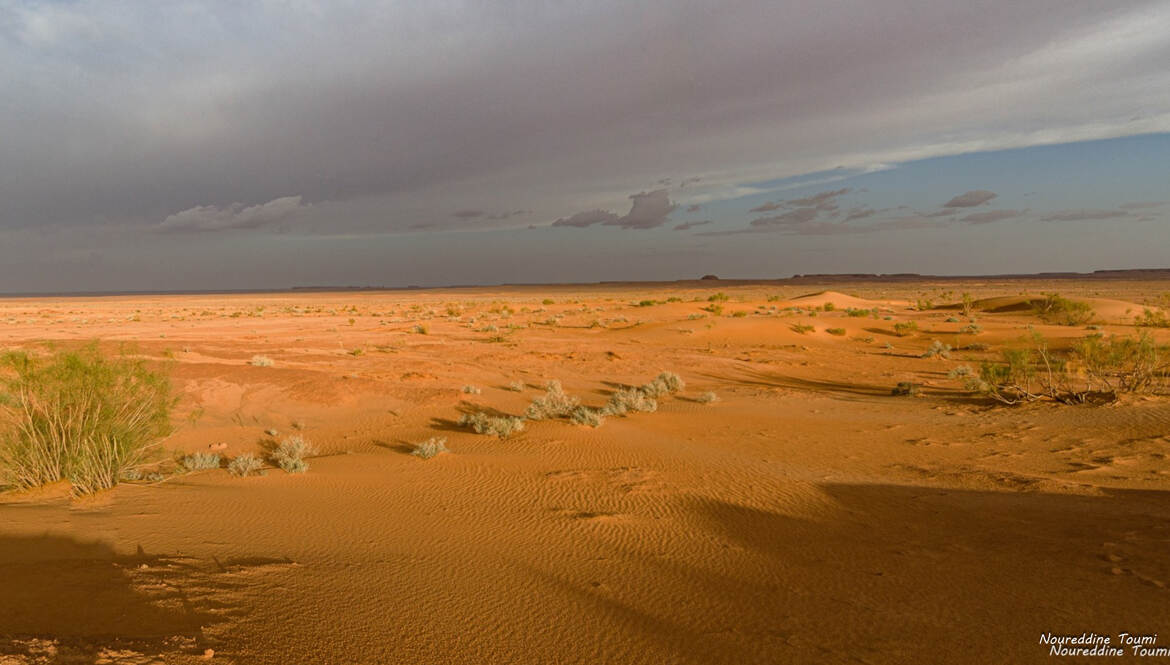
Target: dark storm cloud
[[649, 210], [1083, 215], [386, 116], [970, 199]]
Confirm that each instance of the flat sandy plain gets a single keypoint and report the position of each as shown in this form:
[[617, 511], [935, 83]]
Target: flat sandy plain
[[806, 516]]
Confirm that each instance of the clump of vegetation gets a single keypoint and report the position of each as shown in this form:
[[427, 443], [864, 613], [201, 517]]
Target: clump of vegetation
[[291, 453], [420, 329], [471, 390], [431, 447], [968, 304], [961, 372], [971, 329], [583, 415], [1096, 370], [666, 383], [937, 350], [829, 307], [629, 400], [261, 361], [516, 386], [707, 398], [1152, 319], [718, 297], [905, 328], [802, 328], [244, 465], [839, 332], [501, 426], [554, 403], [906, 389], [78, 416], [1054, 308], [200, 461]]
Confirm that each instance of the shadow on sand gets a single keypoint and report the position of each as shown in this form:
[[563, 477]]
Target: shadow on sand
[[66, 601]]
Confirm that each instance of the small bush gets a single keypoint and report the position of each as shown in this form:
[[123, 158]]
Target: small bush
[[839, 332], [629, 400], [802, 328], [200, 461], [245, 464], [1054, 308], [431, 447], [1152, 319], [829, 307], [79, 416], [291, 453], [937, 350], [707, 398], [971, 329], [261, 361], [961, 372], [516, 386], [471, 390], [905, 328], [666, 383], [501, 426], [420, 329], [583, 415], [554, 403], [907, 389]]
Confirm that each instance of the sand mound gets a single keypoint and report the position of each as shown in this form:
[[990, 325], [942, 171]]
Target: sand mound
[[838, 299]]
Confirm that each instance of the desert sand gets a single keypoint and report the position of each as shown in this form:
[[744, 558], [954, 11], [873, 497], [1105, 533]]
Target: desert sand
[[807, 516]]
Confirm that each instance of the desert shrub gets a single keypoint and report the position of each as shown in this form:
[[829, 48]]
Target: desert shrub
[[802, 328], [516, 386], [708, 398], [261, 361], [937, 350], [200, 461], [860, 313], [905, 328], [1054, 308], [952, 319], [431, 447], [971, 329], [79, 416], [906, 389], [839, 332], [923, 304], [291, 453], [718, 297], [629, 400], [554, 403], [666, 383], [1152, 319], [245, 464], [420, 329], [714, 308], [583, 415], [1097, 369], [829, 307], [968, 304], [471, 390], [501, 426], [961, 372]]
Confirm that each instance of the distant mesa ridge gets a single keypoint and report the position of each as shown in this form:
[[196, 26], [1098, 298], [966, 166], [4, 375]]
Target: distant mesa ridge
[[809, 278]]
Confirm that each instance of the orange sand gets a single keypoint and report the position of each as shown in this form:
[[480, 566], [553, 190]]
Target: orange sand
[[807, 516]]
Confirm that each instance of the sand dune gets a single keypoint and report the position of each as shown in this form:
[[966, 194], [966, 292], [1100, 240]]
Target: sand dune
[[806, 516]]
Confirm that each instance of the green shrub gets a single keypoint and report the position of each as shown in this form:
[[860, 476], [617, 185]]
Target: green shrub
[[839, 332], [629, 400], [1054, 308], [802, 328], [937, 350], [583, 415], [905, 328], [1152, 319], [79, 416]]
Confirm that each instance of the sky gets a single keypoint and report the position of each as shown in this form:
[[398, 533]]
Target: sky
[[223, 145]]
